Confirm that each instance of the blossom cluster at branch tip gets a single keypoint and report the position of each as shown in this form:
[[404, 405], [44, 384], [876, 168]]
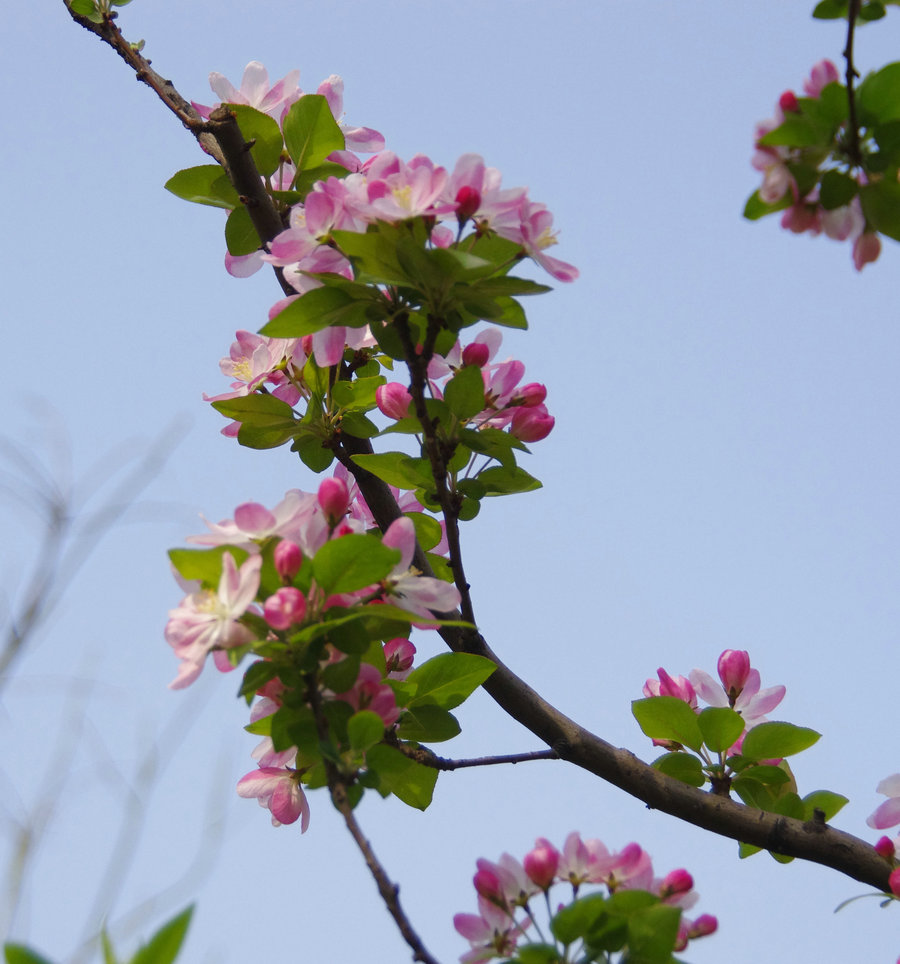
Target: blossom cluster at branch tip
[[806, 213], [506, 887], [738, 687]]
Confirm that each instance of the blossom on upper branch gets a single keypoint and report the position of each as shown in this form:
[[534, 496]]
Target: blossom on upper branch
[[888, 813]]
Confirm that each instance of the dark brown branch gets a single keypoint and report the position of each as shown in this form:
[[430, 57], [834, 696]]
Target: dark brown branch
[[853, 148], [220, 136]]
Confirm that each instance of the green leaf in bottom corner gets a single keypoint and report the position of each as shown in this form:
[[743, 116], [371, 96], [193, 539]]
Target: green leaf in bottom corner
[[164, 945], [409, 781], [19, 954]]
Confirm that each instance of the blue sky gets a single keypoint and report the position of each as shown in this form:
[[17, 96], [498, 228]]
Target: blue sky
[[723, 472]]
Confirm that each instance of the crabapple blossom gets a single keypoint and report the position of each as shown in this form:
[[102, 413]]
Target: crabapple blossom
[[255, 91], [676, 686], [207, 620], [334, 499], [288, 559], [541, 863], [888, 813], [418, 594], [278, 789], [733, 667], [370, 692], [286, 607], [752, 703]]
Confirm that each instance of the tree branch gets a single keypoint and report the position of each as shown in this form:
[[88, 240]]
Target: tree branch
[[810, 841], [851, 74]]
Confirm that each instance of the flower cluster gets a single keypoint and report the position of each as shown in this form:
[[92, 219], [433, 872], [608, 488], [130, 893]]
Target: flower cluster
[[508, 404], [885, 816], [604, 922], [294, 585], [738, 688], [791, 165]]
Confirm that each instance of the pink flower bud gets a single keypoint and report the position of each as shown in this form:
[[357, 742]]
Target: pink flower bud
[[468, 201], [288, 559], [531, 424], [823, 74], [734, 668], [476, 354], [894, 882], [487, 883], [334, 499], [531, 395], [704, 925], [675, 883], [542, 863], [885, 848], [285, 607], [788, 102], [866, 249], [393, 400], [677, 686], [398, 655], [306, 343]]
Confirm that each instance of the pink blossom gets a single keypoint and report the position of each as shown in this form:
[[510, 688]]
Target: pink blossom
[[207, 620], [753, 703], [531, 424], [277, 788], [399, 654], [254, 523], [888, 813], [288, 559], [408, 589], [393, 400], [541, 863], [255, 91], [822, 74], [866, 249], [886, 848], [286, 607], [733, 667], [492, 932], [362, 139], [370, 692], [334, 499], [534, 233], [506, 880], [676, 686]]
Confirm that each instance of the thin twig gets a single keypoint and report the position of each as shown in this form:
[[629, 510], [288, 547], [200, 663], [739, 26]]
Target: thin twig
[[424, 756], [853, 148]]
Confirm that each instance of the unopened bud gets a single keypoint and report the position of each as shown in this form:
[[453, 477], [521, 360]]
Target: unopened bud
[[468, 201], [531, 424], [675, 883], [285, 608], [894, 882], [334, 499], [704, 925], [885, 848], [542, 863], [288, 559], [734, 668], [476, 354], [788, 102], [393, 400]]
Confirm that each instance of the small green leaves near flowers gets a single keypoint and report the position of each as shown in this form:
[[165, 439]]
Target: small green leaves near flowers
[[839, 9]]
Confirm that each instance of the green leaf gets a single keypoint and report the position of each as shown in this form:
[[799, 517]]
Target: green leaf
[[757, 208], [682, 766], [428, 724], [397, 468], [109, 954], [574, 921], [411, 782], [830, 9], [668, 718], [313, 452], [311, 132], [428, 529], [448, 679], [837, 189], [18, 953], [881, 206], [206, 184], [536, 954], [464, 393], [352, 562], [358, 394], [878, 96], [652, 934], [256, 409], [265, 132], [165, 944], [357, 425], [204, 564], [507, 480], [772, 741], [797, 130], [365, 729], [315, 310], [769, 775], [827, 801], [256, 676], [753, 793], [240, 235], [721, 727], [374, 255]]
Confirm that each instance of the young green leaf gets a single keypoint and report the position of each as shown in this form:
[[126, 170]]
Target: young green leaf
[[352, 562], [668, 718], [772, 741], [721, 726], [411, 782], [311, 132], [165, 944], [448, 679]]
